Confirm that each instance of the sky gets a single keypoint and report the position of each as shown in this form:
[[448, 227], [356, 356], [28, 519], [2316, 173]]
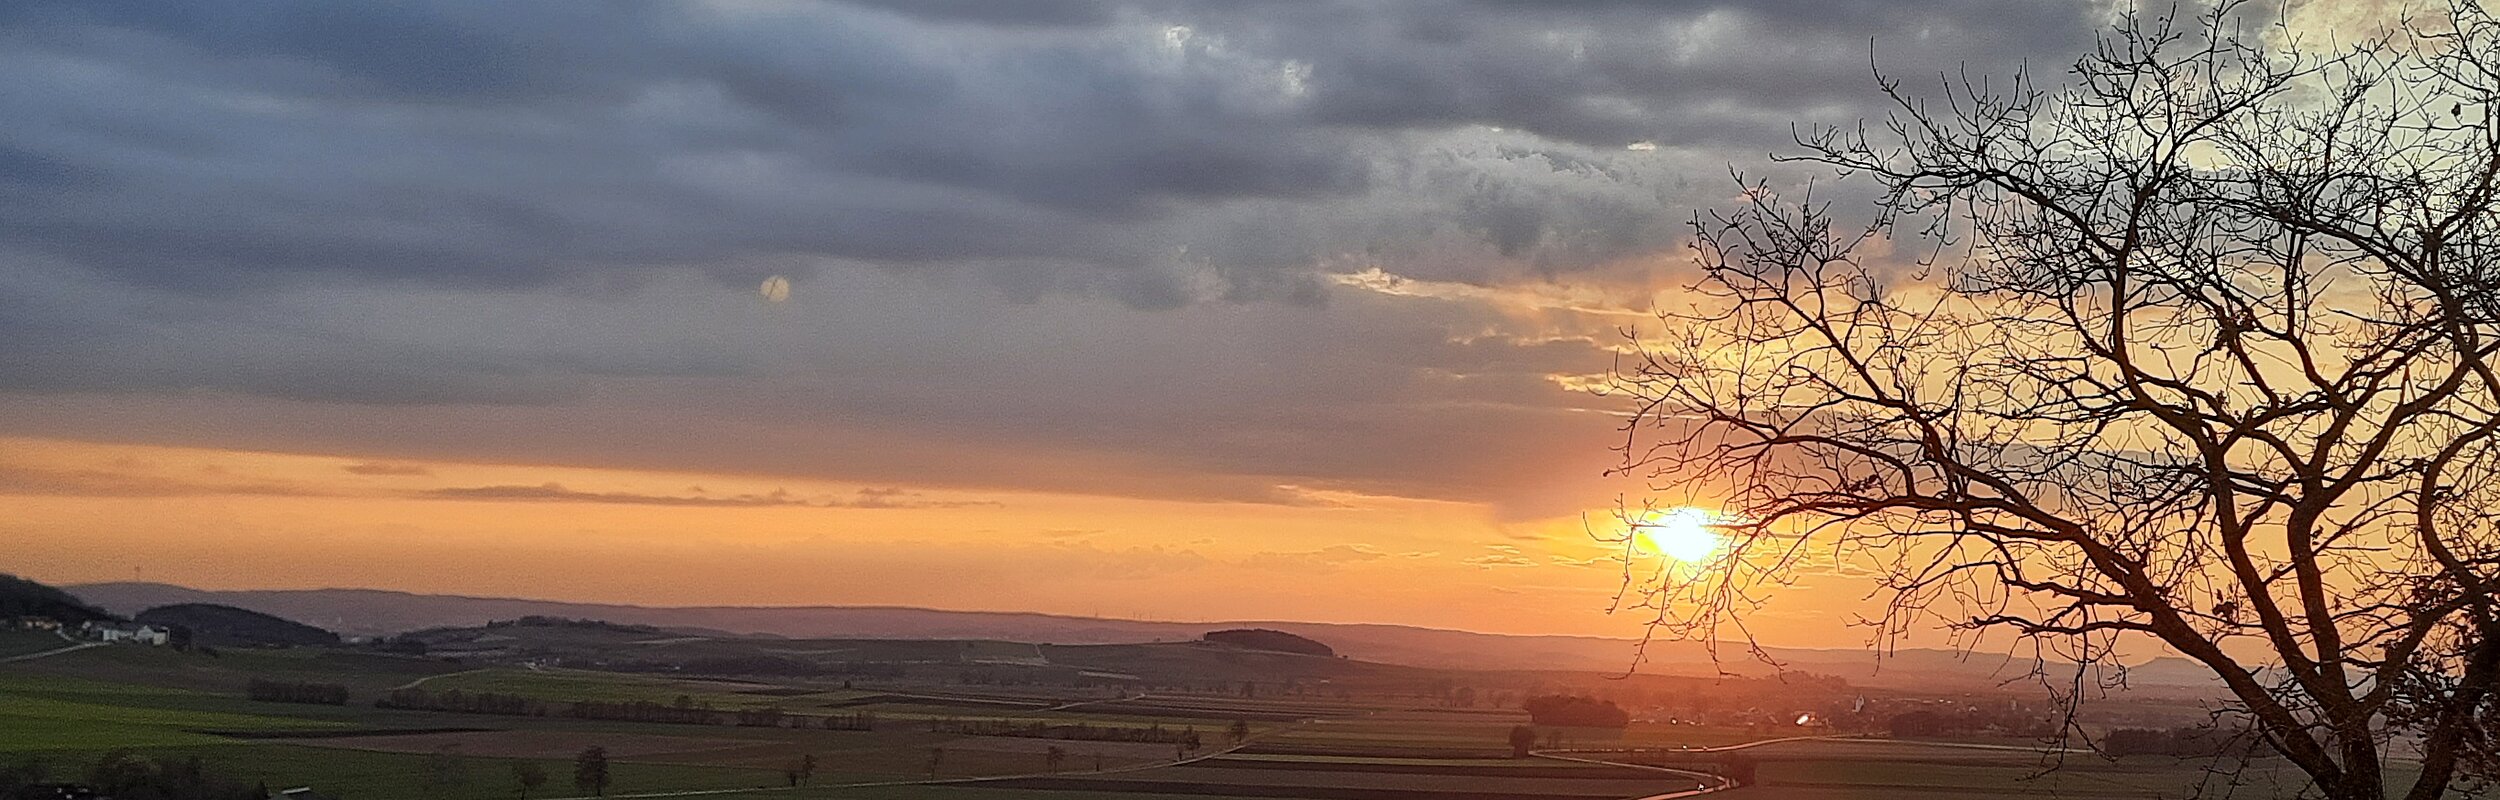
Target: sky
[[1162, 310]]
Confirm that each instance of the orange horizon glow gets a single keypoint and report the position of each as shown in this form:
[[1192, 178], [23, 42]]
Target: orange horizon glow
[[229, 519]]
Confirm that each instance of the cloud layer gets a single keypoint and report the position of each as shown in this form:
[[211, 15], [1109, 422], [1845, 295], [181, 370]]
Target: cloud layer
[[1072, 246]]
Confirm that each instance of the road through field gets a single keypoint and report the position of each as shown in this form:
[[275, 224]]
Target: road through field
[[1709, 783], [74, 646], [421, 681], [1218, 752], [1713, 783]]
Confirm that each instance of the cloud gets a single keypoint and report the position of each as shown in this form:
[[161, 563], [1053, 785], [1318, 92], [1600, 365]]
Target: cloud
[[871, 498], [1324, 559], [386, 468], [1500, 555], [214, 146], [131, 479], [1218, 252], [129, 483]]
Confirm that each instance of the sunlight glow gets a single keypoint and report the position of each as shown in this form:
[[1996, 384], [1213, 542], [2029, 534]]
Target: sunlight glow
[[1682, 533]]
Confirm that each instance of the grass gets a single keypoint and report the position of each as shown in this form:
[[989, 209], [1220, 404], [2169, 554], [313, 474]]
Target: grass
[[375, 776], [567, 684], [71, 708], [70, 720], [1324, 761], [14, 642], [950, 792], [1844, 770], [227, 671], [30, 722]]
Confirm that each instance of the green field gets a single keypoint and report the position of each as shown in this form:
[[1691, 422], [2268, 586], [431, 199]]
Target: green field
[[14, 642], [570, 684], [70, 708]]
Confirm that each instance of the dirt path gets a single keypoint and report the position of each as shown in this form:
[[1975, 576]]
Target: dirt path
[[1083, 703], [421, 681], [74, 646], [1709, 783], [1713, 783], [1215, 753]]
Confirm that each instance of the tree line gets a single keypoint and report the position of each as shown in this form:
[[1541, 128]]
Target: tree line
[[685, 711], [126, 775], [1575, 711], [2195, 741], [1923, 723], [1187, 738], [273, 691]]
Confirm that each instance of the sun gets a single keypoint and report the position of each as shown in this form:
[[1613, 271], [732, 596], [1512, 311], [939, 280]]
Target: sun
[[1682, 533]]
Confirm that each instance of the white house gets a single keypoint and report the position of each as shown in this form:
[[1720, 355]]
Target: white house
[[117, 632]]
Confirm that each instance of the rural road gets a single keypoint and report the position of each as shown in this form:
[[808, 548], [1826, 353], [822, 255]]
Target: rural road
[[1709, 783], [945, 781], [421, 681], [74, 646], [1714, 783], [1860, 739]]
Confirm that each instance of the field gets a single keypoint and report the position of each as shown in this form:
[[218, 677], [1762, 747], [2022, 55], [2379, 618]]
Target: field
[[14, 642], [69, 708]]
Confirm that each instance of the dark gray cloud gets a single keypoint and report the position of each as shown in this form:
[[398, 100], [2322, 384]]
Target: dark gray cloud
[[203, 145], [138, 483], [870, 498], [1084, 246], [387, 468]]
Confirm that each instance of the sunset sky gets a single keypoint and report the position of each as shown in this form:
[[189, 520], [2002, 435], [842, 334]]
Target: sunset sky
[[1177, 311]]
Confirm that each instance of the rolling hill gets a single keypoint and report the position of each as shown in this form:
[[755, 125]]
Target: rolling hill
[[20, 597], [226, 626], [370, 612]]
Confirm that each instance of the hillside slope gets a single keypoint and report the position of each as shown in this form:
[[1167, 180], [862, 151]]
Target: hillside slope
[[227, 626], [20, 597], [370, 612]]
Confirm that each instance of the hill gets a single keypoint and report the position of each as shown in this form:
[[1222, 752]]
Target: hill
[[227, 626], [20, 597], [1271, 641], [370, 612]]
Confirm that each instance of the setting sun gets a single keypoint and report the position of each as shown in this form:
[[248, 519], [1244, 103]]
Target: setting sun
[[1681, 533]]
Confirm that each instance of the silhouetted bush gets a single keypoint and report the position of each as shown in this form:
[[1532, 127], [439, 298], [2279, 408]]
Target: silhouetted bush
[[329, 694], [454, 700], [2187, 742], [1584, 712]]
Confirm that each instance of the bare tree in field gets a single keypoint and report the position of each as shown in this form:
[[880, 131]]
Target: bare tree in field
[[2200, 346]]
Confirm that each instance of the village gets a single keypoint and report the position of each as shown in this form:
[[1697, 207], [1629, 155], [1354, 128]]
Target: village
[[103, 631]]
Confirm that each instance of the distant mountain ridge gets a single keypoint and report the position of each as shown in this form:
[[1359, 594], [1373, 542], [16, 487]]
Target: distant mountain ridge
[[374, 612]]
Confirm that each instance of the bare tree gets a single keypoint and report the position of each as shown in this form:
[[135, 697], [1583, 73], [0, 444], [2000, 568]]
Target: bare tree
[[799, 770], [446, 769], [590, 770], [2196, 347], [528, 776]]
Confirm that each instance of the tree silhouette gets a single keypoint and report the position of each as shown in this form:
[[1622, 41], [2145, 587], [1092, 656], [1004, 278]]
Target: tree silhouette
[[446, 768], [590, 770], [528, 775], [800, 770], [2202, 348], [1053, 756], [1522, 740]]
